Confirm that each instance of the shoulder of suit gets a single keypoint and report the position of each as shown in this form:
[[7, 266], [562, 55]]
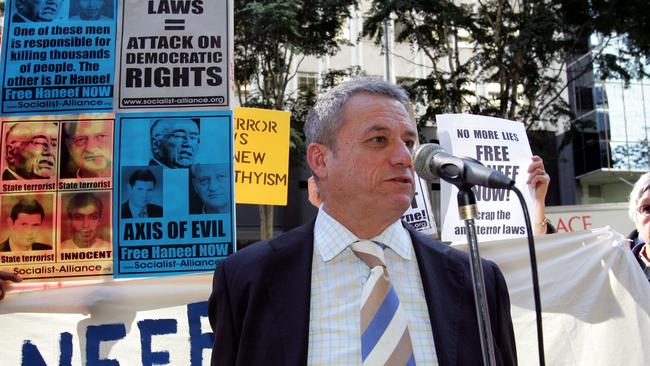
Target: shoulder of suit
[[294, 239]]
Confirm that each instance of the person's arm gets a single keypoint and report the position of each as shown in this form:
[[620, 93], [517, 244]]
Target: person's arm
[[539, 180], [4, 277]]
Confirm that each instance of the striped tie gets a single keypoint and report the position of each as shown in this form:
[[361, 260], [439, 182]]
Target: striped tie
[[385, 338]]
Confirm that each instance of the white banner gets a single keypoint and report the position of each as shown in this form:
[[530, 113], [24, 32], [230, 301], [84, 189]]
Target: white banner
[[595, 299]]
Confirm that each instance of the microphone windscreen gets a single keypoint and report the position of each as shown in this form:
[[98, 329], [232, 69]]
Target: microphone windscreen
[[422, 158]]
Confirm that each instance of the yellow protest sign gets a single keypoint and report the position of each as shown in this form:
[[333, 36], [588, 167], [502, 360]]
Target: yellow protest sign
[[261, 156]]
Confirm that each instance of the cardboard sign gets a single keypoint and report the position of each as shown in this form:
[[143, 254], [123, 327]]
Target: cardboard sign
[[261, 156], [58, 60]]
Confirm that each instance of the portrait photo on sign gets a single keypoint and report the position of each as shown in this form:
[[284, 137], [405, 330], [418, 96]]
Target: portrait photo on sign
[[174, 142], [85, 220], [27, 222], [29, 150], [141, 192], [209, 188], [87, 149], [36, 11], [91, 10]]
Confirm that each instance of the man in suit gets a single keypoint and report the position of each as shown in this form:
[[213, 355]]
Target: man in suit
[[24, 224], [140, 188], [36, 10], [296, 299], [174, 142], [30, 150]]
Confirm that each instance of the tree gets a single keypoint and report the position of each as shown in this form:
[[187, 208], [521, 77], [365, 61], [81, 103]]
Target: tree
[[272, 38], [522, 46]]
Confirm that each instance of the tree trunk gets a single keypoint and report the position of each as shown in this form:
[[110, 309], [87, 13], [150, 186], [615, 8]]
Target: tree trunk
[[266, 221]]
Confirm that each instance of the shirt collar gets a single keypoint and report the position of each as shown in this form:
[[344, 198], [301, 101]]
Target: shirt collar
[[135, 211], [331, 237]]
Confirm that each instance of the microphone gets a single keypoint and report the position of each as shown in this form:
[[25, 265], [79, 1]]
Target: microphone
[[431, 161]]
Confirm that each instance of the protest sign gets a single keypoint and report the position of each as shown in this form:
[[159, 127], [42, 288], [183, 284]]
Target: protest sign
[[261, 156], [501, 145], [174, 54], [55, 198], [174, 209], [419, 214], [58, 60]]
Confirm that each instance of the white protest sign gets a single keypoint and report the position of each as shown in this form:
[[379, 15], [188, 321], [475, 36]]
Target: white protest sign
[[501, 145], [419, 214], [174, 54]]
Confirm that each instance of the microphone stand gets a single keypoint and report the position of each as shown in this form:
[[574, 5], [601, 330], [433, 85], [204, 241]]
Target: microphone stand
[[468, 211]]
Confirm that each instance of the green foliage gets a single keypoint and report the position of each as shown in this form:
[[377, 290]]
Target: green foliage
[[521, 46], [273, 36]]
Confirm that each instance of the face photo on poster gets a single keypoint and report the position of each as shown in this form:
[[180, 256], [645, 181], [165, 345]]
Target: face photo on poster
[[29, 150], [85, 221], [27, 222], [209, 189], [38, 11], [86, 149], [91, 10], [172, 142], [141, 192]]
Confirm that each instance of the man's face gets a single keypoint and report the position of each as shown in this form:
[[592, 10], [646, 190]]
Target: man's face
[[90, 9], [211, 184], [31, 150], [84, 224], [140, 193], [642, 222], [25, 229], [174, 142], [41, 10], [91, 148], [370, 169]]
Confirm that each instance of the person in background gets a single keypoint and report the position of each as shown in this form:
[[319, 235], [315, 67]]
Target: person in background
[[30, 151], [141, 186], [85, 211], [36, 10], [24, 223], [639, 212], [174, 142], [90, 147], [355, 286], [539, 180]]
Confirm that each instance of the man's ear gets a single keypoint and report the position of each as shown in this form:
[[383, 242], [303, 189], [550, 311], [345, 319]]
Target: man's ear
[[316, 158], [155, 145], [9, 155]]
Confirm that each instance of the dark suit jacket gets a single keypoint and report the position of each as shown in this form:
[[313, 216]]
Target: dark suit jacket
[[259, 307], [7, 175], [152, 211], [4, 247], [17, 18]]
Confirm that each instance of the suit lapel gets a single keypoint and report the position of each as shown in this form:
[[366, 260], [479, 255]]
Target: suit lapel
[[288, 280], [443, 293]]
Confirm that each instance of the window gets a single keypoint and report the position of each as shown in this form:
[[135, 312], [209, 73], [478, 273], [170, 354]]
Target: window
[[308, 82]]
